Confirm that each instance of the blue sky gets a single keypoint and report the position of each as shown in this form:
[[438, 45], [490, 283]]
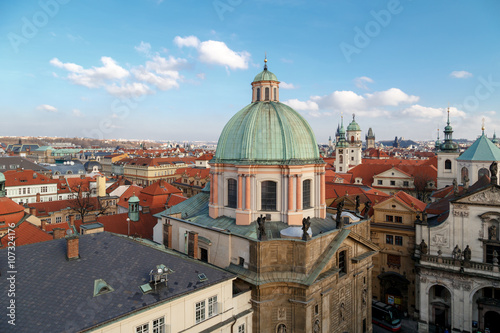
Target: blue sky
[[179, 70]]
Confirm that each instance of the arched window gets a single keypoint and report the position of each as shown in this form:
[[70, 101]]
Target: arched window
[[232, 192], [275, 96], [306, 194], [447, 165], [268, 196], [341, 159], [258, 94], [483, 172], [352, 139], [267, 94], [465, 173]]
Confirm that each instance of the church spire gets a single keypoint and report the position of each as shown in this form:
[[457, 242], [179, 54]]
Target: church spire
[[449, 145]]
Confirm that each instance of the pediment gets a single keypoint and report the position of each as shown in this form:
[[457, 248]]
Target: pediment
[[392, 173], [488, 196]]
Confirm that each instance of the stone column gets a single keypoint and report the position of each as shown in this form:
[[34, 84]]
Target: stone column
[[240, 192], [247, 192], [299, 193]]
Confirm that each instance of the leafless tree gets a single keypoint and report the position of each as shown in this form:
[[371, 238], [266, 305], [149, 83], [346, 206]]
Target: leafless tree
[[423, 186], [83, 204]]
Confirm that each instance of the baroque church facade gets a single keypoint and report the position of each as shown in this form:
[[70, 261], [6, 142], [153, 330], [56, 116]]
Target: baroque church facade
[[458, 284], [263, 217]]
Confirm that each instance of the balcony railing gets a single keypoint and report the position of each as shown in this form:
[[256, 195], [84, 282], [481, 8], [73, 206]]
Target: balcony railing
[[459, 263]]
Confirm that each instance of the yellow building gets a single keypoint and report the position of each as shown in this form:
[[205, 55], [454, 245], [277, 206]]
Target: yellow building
[[393, 230]]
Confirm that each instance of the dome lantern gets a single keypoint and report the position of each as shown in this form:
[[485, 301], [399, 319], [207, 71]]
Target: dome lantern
[[265, 86]]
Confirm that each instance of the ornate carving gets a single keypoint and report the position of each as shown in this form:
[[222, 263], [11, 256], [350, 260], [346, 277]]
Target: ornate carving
[[439, 240], [460, 213], [492, 232], [281, 314], [490, 196]]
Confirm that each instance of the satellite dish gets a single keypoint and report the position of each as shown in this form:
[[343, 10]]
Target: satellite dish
[[69, 232]]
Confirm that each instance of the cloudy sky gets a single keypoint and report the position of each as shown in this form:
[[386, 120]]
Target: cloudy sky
[[178, 70]]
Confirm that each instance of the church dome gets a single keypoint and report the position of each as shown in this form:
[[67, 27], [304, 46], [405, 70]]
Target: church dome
[[265, 75], [353, 126], [269, 133]]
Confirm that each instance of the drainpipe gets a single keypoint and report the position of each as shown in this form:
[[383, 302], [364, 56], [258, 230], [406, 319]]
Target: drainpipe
[[232, 325]]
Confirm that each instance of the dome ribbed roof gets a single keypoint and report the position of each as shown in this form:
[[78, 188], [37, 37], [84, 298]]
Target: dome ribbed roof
[[269, 133], [265, 75], [133, 199], [353, 126]]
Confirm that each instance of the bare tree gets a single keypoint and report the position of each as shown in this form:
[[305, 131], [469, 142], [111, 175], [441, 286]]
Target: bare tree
[[83, 204], [423, 186]]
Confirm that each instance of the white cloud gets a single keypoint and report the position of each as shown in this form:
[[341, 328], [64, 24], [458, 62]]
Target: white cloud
[[93, 77], [134, 89], [46, 107], [201, 76], [215, 52], [367, 105], [285, 85], [460, 74], [77, 113], [190, 41], [420, 111], [144, 48], [164, 82], [361, 82]]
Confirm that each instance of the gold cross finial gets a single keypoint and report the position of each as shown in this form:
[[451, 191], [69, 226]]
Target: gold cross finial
[[482, 127]]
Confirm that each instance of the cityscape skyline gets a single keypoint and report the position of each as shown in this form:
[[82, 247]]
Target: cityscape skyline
[[389, 62]]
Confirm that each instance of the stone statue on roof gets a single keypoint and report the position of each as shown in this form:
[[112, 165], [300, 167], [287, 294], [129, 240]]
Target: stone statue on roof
[[357, 204], [423, 247], [340, 207], [467, 253], [306, 224], [494, 173], [455, 187], [457, 253], [367, 209], [261, 222]]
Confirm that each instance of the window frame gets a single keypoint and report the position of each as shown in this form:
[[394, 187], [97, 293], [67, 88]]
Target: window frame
[[200, 313], [143, 328], [306, 194], [159, 325], [342, 262], [389, 239], [232, 193], [212, 306], [268, 202], [398, 240]]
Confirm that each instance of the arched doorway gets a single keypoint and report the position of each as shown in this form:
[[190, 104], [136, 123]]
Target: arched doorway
[[492, 321], [440, 306], [486, 309]]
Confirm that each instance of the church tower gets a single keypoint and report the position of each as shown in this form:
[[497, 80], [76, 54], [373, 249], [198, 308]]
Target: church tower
[[341, 151], [447, 157], [370, 139]]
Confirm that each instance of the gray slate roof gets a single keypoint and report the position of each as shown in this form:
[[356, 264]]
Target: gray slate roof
[[56, 295], [12, 162]]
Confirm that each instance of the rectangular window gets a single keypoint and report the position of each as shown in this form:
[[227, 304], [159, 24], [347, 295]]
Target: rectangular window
[[67, 218], [212, 306], [159, 325], [200, 311], [406, 183], [241, 328], [389, 218], [398, 219], [268, 196], [379, 182], [232, 192], [398, 240], [316, 309], [144, 328], [342, 262], [393, 183], [306, 194], [58, 219], [389, 239]]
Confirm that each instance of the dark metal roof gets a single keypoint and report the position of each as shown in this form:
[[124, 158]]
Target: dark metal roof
[[57, 295]]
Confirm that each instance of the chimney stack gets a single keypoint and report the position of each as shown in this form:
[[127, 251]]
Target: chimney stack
[[33, 211], [71, 220], [193, 244], [72, 252], [58, 233]]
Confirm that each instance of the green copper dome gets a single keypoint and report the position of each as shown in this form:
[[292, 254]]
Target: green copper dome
[[265, 75], [481, 150], [353, 126], [133, 199], [2, 177], [269, 133]]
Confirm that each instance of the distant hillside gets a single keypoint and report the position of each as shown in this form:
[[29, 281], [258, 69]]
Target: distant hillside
[[402, 144]]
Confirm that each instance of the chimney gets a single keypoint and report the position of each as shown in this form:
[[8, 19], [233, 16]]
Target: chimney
[[58, 233], [43, 224], [72, 251], [38, 197], [33, 211], [167, 235], [101, 186], [193, 244], [71, 220], [61, 177]]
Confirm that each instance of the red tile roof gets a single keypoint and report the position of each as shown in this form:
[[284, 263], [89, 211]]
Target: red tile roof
[[410, 201], [26, 177], [26, 233], [132, 190]]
